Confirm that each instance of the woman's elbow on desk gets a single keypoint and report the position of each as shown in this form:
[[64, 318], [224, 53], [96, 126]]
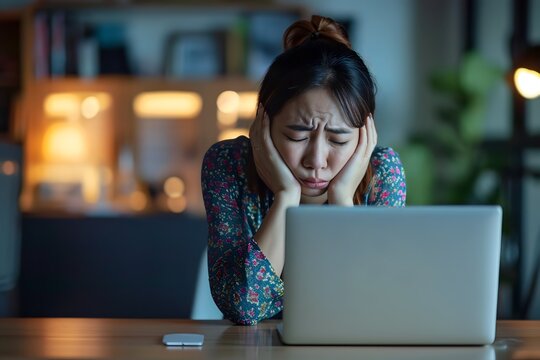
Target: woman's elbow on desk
[[245, 303], [232, 305]]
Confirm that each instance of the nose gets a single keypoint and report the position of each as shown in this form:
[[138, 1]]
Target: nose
[[316, 155]]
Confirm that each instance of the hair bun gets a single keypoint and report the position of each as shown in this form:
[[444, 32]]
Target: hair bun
[[318, 27]]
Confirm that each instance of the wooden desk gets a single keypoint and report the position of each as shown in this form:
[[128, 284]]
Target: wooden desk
[[135, 338]]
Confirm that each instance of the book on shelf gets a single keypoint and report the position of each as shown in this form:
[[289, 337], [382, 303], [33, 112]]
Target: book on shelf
[[63, 47], [58, 44], [41, 45]]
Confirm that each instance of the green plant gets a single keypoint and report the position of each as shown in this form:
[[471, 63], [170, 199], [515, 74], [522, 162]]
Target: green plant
[[449, 164]]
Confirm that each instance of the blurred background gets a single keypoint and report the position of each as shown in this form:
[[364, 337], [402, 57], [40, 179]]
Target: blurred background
[[107, 107]]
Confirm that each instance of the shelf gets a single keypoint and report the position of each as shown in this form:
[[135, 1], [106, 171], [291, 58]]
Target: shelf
[[186, 5], [151, 39], [159, 39], [131, 84]]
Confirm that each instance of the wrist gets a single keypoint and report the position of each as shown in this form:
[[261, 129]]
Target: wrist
[[287, 199], [335, 199]]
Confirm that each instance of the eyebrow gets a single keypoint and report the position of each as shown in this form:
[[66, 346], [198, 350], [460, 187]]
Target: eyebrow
[[310, 128]]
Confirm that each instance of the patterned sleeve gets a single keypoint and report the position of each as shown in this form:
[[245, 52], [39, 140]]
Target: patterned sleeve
[[242, 281], [388, 186]]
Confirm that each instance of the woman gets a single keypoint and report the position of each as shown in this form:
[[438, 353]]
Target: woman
[[313, 142]]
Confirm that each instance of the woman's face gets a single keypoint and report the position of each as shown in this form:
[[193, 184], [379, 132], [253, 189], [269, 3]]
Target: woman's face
[[314, 140]]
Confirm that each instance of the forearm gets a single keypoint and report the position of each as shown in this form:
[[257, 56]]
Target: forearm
[[342, 200], [271, 235], [243, 286]]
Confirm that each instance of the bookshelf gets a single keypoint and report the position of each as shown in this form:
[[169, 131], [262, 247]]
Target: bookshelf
[[89, 145], [141, 36]]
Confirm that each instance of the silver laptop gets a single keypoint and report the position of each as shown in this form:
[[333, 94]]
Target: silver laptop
[[425, 275]]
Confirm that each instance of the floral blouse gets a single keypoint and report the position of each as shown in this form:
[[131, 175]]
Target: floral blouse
[[243, 283]]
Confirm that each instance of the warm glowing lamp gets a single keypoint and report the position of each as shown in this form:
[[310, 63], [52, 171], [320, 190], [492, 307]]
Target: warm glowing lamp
[[177, 205], [243, 104], [174, 187], [247, 107], [61, 104], [228, 102], [71, 103], [90, 107], [526, 76], [167, 104], [233, 105], [64, 142], [138, 200]]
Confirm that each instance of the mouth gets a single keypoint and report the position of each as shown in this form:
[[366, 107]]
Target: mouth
[[314, 183]]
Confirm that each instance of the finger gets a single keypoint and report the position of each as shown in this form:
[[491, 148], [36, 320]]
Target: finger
[[371, 134], [260, 111], [374, 135], [363, 139], [257, 128], [266, 136], [257, 121], [360, 147]]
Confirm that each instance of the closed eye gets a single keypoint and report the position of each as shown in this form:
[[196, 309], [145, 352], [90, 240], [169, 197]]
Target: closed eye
[[295, 140], [340, 143]]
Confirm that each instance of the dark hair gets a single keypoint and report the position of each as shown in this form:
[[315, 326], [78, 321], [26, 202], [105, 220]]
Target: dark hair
[[318, 54]]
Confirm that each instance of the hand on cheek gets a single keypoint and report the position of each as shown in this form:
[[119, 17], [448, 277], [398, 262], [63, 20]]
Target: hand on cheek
[[270, 166], [342, 188]]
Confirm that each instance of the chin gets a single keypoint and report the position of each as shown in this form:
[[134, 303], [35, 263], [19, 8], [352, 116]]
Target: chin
[[312, 196], [313, 192]]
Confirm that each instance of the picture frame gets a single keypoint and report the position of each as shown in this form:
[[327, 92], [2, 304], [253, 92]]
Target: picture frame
[[265, 39], [195, 55]]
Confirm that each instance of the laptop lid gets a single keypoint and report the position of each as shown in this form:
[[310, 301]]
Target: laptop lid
[[375, 275]]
